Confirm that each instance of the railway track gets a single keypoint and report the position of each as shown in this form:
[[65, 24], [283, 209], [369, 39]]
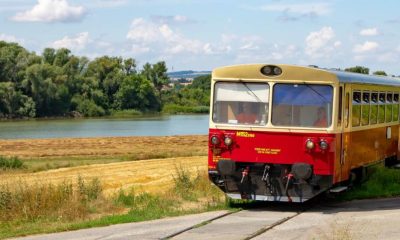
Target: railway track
[[244, 225]]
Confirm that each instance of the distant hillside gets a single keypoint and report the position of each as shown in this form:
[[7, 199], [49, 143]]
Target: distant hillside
[[187, 74]]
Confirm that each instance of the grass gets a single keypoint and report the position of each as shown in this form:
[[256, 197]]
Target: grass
[[176, 109], [126, 113], [7, 163], [41, 208], [383, 182]]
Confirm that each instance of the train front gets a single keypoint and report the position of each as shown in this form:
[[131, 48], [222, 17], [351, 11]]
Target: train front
[[269, 139]]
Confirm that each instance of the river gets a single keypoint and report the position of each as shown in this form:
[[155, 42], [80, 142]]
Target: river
[[105, 127]]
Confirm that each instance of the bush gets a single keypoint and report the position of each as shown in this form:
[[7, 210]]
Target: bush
[[11, 163]]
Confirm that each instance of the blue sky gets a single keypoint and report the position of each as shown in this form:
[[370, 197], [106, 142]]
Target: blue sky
[[204, 34]]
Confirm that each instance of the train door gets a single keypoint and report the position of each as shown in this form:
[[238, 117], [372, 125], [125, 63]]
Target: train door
[[345, 92]]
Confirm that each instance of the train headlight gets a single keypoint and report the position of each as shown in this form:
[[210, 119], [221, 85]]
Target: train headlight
[[266, 70], [228, 141], [323, 145], [214, 140], [310, 144], [277, 71], [271, 70]]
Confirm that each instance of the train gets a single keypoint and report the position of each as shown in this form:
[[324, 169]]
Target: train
[[288, 133]]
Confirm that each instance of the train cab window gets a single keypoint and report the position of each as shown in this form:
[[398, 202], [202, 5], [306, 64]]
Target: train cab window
[[396, 107], [365, 108], [241, 103], [356, 109], [374, 108], [302, 105], [381, 108], [389, 100]]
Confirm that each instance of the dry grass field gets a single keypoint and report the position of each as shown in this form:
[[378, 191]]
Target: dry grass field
[[144, 163], [152, 176]]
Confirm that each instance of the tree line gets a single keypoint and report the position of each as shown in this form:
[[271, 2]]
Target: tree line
[[57, 83]]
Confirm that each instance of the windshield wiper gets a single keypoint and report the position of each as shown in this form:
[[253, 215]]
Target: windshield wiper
[[319, 94], [255, 95]]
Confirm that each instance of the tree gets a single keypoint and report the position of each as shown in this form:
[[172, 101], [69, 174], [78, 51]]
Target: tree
[[379, 72], [61, 57], [48, 55], [137, 92], [157, 74], [358, 69], [13, 103]]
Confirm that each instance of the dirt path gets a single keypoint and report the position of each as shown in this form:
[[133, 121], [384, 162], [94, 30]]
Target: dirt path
[[146, 175]]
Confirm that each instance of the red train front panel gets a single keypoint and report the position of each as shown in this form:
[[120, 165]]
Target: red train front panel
[[271, 166]]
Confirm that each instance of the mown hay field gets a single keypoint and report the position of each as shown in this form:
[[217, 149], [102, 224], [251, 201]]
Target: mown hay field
[[147, 164]]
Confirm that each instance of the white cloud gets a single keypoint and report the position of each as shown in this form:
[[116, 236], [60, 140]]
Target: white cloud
[[303, 9], [146, 35], [11, 38], [106, 3], [369, 32], [321, 43], [76, 43], [51, 11], [177, 19], [365, 47]]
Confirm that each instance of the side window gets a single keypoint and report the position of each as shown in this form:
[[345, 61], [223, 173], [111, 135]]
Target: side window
[[374, 108], [365, 108], [339, 123], [347, 110], [381, 109], [356, 109], [396, 107], [389, 100]]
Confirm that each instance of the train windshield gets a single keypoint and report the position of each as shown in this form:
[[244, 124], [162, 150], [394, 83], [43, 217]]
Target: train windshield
[[241, 103], [302, 105]]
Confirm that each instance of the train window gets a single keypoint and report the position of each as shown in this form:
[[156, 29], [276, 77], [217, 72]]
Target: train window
[[374, 108], [365, 108], [356, 109], [396, 107], [346, 110], [389, 99], [381, 108], [241, 103], [302, 105], [339, 123]]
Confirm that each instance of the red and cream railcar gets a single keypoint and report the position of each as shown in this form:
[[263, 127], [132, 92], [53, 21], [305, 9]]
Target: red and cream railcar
[[288, 133]]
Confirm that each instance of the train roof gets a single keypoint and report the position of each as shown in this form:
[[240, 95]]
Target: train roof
[[294, 72], [350, 77]]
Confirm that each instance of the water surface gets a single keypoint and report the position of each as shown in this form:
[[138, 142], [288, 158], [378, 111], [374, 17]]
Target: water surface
[[106, 127]]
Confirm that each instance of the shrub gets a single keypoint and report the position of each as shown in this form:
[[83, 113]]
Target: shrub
[[10, 163]]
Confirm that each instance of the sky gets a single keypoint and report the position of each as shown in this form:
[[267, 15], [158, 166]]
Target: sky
[[205, 34]]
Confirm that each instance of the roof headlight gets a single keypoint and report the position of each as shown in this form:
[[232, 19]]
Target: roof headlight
[[266, 70], [277, 71]]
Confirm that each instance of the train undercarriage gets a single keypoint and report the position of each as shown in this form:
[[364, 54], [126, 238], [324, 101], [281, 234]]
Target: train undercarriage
[[269, 182]]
